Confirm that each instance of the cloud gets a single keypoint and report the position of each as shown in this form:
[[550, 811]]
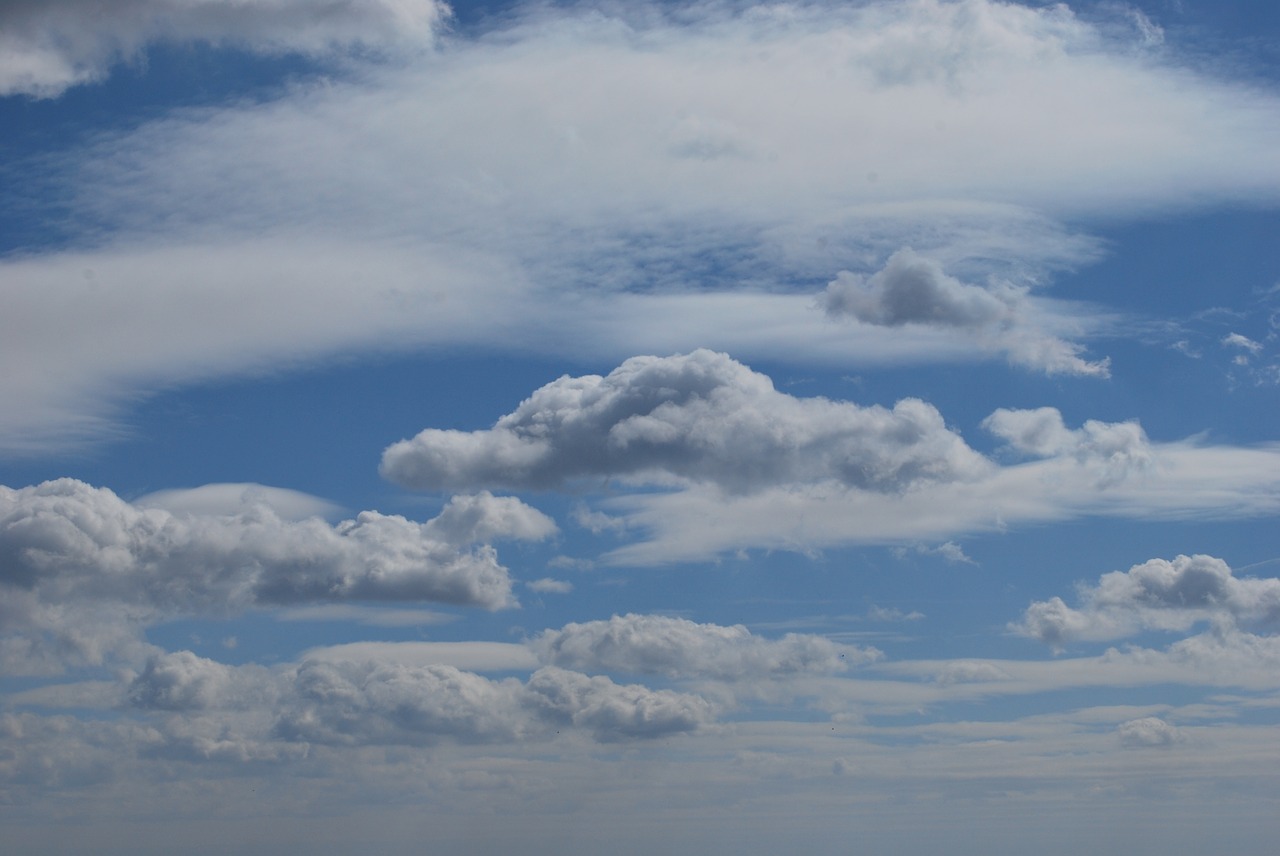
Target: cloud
[[547, 585], [230, 499], [483, 517], [741, 465], [1236, 340], [679, 648], [704, 165], [914, 290], [50, 45], [1147, 732], [1157, 595], [472, 656], [353, 696], [701, 417], [83, 570], [1115, 449]]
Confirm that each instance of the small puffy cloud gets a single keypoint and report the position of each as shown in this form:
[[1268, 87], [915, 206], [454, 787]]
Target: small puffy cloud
[[914, 290], [81, 570], [679, 648], [484, 517], [1115, 449], [1157, 595], [1148, 731], [50, 45], [699, 417]]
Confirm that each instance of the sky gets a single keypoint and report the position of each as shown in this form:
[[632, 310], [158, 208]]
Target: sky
[[578, 427]]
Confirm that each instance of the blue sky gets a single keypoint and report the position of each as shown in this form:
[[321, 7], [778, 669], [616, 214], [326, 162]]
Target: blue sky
[[680, 428]]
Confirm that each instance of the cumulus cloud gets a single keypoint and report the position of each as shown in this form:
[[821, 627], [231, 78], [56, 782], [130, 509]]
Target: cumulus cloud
[[483, 517], [1147, 731], [1157, 595], [353, 702], [679, 648], [1114, 449], [699, 417], [914, 290], [49, 45], [84, 569]]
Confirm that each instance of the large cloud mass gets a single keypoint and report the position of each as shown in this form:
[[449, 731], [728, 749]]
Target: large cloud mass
[[699, 417], [80, 568]]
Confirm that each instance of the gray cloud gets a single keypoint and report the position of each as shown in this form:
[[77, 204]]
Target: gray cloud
[[700, 417], [50, 45], [1159, 594], [369, 702], [679, 648], [82, 570], [912, 289]]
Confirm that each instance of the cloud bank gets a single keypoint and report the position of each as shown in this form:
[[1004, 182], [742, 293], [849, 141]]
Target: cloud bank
[[738, 464], [82, 570]]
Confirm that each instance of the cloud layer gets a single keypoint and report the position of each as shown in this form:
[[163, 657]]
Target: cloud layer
[[47, 46], [713, 163]]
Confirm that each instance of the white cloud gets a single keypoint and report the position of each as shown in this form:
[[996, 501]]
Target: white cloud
[[547, 585], [1147, 731], [914, 290], [83, 570], [484, 517], [701, 417], [1159, 594], [679, 648], [230, 499], [1115, 450], [1236, 340], [49, 45], [714, 160], [745, 466]]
